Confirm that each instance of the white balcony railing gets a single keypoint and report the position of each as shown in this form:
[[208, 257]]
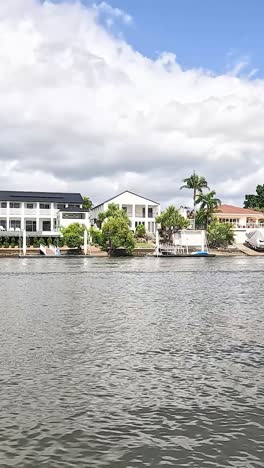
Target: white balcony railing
[[45, 213], [30, 212], [245, 225]]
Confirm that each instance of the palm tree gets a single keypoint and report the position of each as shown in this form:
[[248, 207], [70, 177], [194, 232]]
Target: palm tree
[[208, 204], [195, 183]]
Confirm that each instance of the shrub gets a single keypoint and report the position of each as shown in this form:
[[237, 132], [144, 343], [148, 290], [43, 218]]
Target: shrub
[[6, 243], [61, 242], [96, 236], [35, 242], [48, 241], [140, 231], [13, 242], [220, 234]]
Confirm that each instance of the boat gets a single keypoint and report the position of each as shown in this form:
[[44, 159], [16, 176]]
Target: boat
[[255, 239]]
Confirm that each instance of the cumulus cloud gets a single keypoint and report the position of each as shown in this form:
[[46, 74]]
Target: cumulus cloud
[[82, 110], [110, 13]]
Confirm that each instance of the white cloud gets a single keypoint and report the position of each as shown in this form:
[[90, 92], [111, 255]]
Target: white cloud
[[103, 8], [81, 110]]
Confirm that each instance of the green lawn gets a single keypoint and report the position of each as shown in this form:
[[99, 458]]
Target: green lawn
[[146, 245]]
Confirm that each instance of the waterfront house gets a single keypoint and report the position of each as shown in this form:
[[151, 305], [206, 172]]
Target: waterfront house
[[139, 209], [242, 219], [40, 213]]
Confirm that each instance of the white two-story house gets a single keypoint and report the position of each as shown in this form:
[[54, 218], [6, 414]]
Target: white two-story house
[[40, 213], [140, 210]]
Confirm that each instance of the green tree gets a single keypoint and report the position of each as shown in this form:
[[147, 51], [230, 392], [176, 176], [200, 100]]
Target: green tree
[[96, 235], [208, 205], [116, 234], [195, 183], [256, 202], [220, 234], [87, 203], [140, 231], [73, 235], [170, 222], [113, 211]]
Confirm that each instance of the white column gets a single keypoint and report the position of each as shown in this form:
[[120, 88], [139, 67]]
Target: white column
[[22, 216], [60, 220], [203, 240], [87, 220], [133, 220], [52, 216], [157, 242], [24, 242], [37, 217], [7, 216], [85, 243]]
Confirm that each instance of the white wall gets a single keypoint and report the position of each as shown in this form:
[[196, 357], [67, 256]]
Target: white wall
[[134, 201], [189, 238]]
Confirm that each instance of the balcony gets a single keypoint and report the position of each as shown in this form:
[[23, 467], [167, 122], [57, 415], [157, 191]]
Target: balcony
[[44, 212]]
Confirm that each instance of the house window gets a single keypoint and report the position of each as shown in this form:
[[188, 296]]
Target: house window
[[3, 205], [3, 224], [31, 226], [44, 206], [124, 208], [61, 206], [30, 206], [15, 224], [143, 212], [14, 205], [138, 223], [150, 212], [73, 215], [46, 225]]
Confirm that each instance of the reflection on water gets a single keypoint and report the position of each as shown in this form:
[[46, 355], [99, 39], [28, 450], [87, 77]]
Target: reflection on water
[[132, 363]]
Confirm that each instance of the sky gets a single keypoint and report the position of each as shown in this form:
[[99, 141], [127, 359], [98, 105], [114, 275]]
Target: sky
[[99, 97]]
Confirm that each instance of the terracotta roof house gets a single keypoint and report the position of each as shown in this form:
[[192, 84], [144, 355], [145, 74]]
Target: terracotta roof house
[[240, 217]]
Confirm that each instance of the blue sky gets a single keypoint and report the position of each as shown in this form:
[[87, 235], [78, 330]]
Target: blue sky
[[212, 34]]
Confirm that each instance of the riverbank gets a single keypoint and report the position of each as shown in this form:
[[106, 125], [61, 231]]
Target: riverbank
[[240, 250]]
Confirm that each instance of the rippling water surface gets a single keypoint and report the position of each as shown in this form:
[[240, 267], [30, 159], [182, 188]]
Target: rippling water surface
[[132, 363]]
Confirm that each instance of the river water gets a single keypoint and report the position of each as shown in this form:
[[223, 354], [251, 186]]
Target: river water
[[132, 363]]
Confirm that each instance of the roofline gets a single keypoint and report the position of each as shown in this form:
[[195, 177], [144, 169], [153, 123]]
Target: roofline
[[37, 191], [118, 195], [245, 210], [29, 195]]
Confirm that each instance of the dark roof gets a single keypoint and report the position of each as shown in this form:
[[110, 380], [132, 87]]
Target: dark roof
[[56, 197], [76, 209], [125, 191]]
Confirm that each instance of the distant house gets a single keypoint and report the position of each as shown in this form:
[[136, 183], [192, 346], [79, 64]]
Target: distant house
[[242, 218], [139, 209], [40, 213]]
